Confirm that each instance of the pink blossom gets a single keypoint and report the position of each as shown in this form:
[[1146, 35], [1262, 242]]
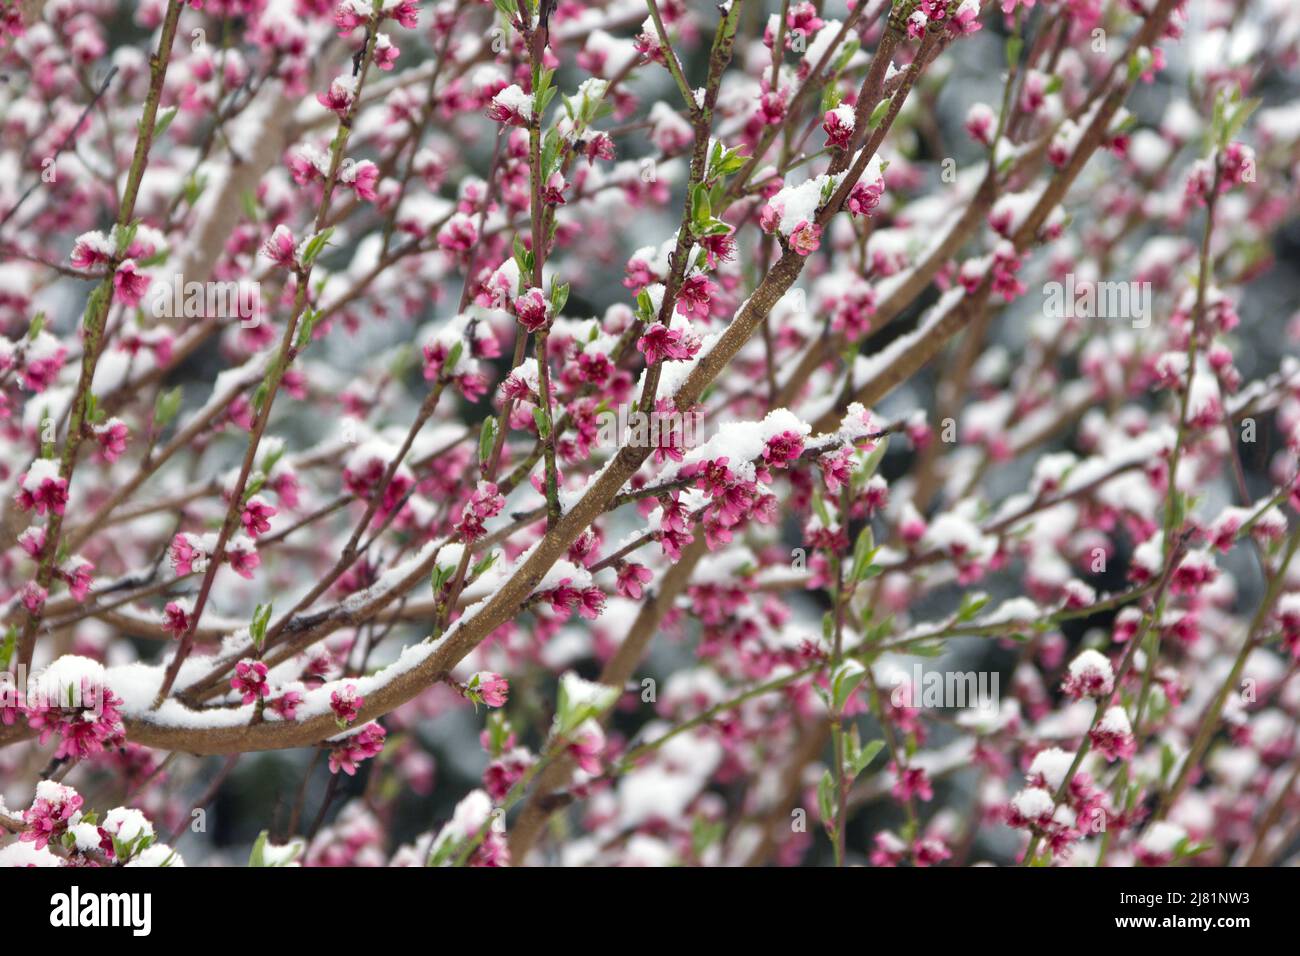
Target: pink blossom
[[483, 504], [405, 12], [188, 556], [256, 516], [286, 704], [91, 249], [1112, 737], [111, 437], [348, 752], [76, 572], [50, 814], [661, 343], [361, 178], [504, 772], [349, 15], [587, 745], [553, 190], [42, 489], [339, 97], [838, 131], [33, 597], [249, 680], [346, 704], [802, 19], [511, 107], [532, 310], [88, 729], [805, 238], [386, 52], [911, 782], [782, 448], [695, 295], [864, 197], [836, 469], [243, 558], [490, 687], [459, 234], [631, 577], [176, 619], [32, 541], [1090, 675]]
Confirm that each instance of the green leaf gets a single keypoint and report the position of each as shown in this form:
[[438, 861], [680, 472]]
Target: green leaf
[[523, 258], [559, 296], [543, 426], [863, 551], [484, 564], [551, 144], [819, 507], [1015, 44], [544, 93], [249, 201], [1238, 119], [850, 47], [701, 211], [1187, 848], [97, 298], [127, 236], [315, 246], [257, 630], [193, 188], [259, 397], [7, 647], [830, 97], [166, 406], [862, 759], [306, 327], [715, 227], [255, 484], [158, 258], [270, 459], [846, 679], [453, 358], [570, 714], [724, 161], [498, 731], [486, 440], [1135, 67], [645, 307], [441, 575], [163, 122], [826, 799], [925, 649], [289, 853], [972, 602], [705, 833], [1167, 761]]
